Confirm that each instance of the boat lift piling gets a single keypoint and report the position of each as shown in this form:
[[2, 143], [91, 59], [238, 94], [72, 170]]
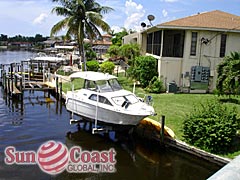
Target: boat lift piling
[[162, 129]]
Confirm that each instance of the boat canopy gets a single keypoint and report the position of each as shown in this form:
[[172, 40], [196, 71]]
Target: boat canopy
[[92, 76], [49, 58]]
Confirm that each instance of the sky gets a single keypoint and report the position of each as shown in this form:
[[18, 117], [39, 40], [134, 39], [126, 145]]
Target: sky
[[31, 17]]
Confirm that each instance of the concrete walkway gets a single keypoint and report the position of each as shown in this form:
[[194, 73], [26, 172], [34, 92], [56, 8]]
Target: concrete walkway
[[229, 172]]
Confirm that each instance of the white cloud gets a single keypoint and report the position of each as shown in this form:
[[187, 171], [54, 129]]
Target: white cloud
[[164, 13], [40, 19], [116, 29], [135, 12]]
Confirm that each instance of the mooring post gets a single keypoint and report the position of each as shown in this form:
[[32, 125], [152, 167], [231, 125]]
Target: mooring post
[[21, 83], [8, 85], [4, 80], [117, 70], [11, 68], [1, 68], [60, 90], [162, 128], [57, 92]]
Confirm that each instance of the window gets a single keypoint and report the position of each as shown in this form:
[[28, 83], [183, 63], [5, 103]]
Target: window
[[90, 85], [154, 43], [157, 43], [194, 44], [223, 45], [173, 43], [101, 99], [119, 100], [149, 42]]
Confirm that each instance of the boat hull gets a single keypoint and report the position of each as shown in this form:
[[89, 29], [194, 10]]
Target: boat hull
[[105, 115]]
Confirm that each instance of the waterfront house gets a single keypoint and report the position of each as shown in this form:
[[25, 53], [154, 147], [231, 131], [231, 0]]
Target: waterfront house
[[20, 44], [189, 49], [101, 46]]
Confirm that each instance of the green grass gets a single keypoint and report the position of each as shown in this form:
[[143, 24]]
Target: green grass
[[67, 86], [175, 107]]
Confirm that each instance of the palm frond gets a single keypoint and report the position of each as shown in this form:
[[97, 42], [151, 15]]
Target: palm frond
[[59, 26]]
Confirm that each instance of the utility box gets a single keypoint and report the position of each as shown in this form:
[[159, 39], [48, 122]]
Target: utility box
[[199, 77], [172, 87]]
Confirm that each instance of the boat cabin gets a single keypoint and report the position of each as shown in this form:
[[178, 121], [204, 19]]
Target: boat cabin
[[102, 86]]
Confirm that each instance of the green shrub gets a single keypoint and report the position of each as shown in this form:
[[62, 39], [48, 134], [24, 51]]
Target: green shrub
[[107, 67], [143, 69], [211, 126], [113, 50], [155, 85], [92, 65]]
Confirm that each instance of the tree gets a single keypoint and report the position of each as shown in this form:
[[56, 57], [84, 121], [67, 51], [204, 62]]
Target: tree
[[144, 69], [228, 81], [82, 20], [117, 39], [89, 52], [130, 51], [113, 50], [3, 37]]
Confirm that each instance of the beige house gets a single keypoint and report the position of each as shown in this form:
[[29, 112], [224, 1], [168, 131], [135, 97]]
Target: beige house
[[101, 47], [189, 49]]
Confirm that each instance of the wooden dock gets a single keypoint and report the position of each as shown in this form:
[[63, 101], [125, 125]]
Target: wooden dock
[[27, 75]]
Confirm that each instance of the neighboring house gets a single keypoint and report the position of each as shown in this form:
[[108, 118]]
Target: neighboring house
[[101, 47], [189, 49], [20, 44]]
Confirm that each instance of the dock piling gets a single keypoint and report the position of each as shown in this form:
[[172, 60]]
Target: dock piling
[[162, 129]]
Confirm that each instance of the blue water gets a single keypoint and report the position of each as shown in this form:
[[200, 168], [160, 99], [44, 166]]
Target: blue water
[[7, 57], [28, 124]]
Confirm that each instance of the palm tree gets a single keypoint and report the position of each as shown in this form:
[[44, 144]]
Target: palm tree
[[82, 20]]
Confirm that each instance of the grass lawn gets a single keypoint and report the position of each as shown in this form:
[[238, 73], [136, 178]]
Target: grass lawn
[[173, 106]]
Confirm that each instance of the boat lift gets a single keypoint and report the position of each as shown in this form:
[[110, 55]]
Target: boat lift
[[96, 129]]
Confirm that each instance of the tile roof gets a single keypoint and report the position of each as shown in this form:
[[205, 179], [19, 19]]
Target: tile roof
[[209, 20]]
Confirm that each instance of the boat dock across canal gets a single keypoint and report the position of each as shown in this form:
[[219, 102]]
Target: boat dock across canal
[[27, 75]]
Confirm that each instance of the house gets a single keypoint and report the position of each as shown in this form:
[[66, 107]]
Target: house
[[101, 46], [20, 44], [189, 49]]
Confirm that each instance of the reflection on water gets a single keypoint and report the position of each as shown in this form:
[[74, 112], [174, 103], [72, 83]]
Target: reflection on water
[[40, 118]]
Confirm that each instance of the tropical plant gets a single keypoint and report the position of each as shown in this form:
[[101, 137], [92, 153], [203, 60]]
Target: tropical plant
[[107, 67], [129, 51], [228, 81], [82, 20], [113, 50], [117, 39], [155, 85], [89, 53]]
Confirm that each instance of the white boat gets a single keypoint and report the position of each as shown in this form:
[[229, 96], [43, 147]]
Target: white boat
[[103, 99]]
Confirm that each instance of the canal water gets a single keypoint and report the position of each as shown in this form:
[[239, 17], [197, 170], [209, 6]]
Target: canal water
[[40, 117]]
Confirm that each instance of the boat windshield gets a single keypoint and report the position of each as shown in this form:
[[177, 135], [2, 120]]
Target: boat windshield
[[119, 100], [108, 86]]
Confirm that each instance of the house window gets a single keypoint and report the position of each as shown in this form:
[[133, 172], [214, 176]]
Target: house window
[[149, 43], [173, 43], [157, 43], [194, 44], [223, 45], [154, 43]]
